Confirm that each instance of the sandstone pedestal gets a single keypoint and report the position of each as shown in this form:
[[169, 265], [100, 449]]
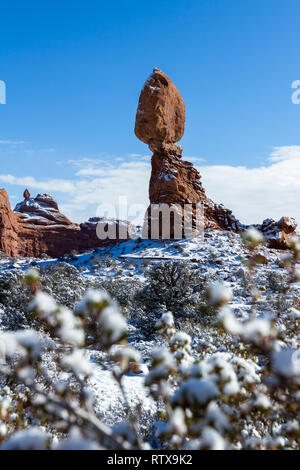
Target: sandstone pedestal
[[174, 182]]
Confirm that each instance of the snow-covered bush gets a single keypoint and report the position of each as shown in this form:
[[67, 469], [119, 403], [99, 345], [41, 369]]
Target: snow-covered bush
[[14, 296], [124, 292], [60, 405], [173, 285], [277, 282], [228, 383]]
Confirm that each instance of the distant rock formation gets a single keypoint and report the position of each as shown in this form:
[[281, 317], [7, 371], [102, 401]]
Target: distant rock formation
[[37, 226], [41, 210], [160, 121], [26, 194]]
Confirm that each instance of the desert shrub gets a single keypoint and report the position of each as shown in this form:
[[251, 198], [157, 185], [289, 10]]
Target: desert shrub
[[64, 282], [124, 292], [60, 280], [213, 256], [296, 302], [175, 286], [277, 281], [14, 296], [168, 284], [108, 261]]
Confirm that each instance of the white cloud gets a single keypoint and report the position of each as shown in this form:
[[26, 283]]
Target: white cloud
[[134, 155], [288, 152], [12, 142], [105, 185], [253, 194], [194, 159], [54, 184], [93, 185], [79, 162], [91, 171]]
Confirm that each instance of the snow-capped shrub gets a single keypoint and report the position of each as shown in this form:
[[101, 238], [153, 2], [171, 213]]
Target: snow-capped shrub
[[162, 365], [277, 281], [173, 286], [294, 245], [165, 325], [211, 440], [101, 318], [169, 284], [252, 237], [30, 439], [195, 393], [218, 294], [32, 276], [231, 382], [180, 345]]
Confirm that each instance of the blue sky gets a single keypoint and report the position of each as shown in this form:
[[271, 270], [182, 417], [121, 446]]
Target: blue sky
[[74, 71]]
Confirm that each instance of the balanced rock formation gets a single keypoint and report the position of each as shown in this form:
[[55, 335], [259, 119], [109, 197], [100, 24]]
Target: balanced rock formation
[[160, 121], [37, 226], [160, 116]]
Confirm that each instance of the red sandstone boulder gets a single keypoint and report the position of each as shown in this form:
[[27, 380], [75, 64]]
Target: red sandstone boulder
[[160, 115]]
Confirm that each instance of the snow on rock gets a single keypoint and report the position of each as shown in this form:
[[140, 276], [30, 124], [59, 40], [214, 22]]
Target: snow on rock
[[160, 122], [36, 227]]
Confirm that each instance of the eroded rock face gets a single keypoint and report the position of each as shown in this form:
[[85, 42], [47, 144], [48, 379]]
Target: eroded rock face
[[41, 210], [176, 181], [160, 115], [160, 123], [37, 226], [9, 226]]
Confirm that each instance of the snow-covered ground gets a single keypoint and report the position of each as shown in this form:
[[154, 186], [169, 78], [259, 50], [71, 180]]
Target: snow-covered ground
[[217, 254]]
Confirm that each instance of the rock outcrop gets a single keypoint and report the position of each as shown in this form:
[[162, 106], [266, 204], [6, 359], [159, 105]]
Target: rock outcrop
[[41, 210], [160, 122], [37, 226], [160, 116]]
